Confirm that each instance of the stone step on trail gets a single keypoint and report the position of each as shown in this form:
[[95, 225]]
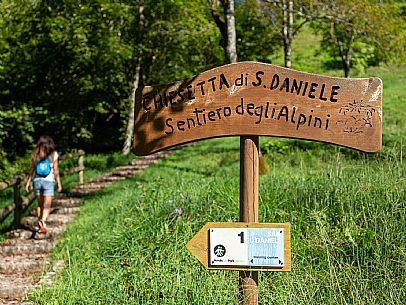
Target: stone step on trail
[[59, 210], [151, 158], [64, 210], [62, 201], [79, 193], [125, 173], [110, 177], [129, 169], [142, 164], [54, 219], [24, 264], [25, 247], [14, 287], [91, 187], [158, 155], [52, 233]]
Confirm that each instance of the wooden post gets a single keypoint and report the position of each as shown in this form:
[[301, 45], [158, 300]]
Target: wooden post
[[340, 111], [18, 203], [249, 174], [81, 166]]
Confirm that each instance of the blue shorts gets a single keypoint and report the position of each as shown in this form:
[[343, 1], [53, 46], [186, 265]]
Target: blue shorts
[[43, 187]]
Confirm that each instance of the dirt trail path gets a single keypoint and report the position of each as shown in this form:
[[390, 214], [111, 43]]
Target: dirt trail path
[[25, 256]]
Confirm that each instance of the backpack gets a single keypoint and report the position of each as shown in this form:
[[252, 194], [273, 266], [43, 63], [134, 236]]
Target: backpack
[[43, 167]]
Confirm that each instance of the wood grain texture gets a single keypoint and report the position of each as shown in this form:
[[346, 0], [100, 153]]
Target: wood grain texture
[[249, 178], [250, 98]]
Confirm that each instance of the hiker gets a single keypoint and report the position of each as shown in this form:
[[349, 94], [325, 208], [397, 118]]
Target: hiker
[[43, 172]]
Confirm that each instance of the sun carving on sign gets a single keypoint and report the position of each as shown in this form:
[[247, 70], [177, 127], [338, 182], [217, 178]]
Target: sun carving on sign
[[359, 117]]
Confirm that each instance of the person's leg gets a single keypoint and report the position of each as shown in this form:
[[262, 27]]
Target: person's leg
[[40, 207], [48, 194], [46, 208], [43, 190]]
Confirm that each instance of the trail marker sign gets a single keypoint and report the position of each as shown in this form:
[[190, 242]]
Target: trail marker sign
[[249, 247], [243, 246], [251, 99]]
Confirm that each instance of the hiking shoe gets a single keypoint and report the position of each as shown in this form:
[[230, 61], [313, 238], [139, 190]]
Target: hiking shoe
[[42, 230], [42, 227]]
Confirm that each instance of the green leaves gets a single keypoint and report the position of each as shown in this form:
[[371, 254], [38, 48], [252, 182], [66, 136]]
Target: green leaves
[[362, 33], [257, 36], [77, 60], [16, 127]]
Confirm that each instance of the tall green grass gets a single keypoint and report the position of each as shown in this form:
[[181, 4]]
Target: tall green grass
[[347, 211]]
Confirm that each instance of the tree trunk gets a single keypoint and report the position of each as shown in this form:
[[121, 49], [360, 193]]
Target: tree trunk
[[220, 24], [348, 57], [344, 49], [346, 65], [287, 8], [130, 125], [231, 42]]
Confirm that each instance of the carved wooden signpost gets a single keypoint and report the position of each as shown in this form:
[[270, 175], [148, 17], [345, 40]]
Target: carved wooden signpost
[[249, 100]]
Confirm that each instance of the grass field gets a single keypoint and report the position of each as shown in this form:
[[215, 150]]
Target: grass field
[[347, 211]]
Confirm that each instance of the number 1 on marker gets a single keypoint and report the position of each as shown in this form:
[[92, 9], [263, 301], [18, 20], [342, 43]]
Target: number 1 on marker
[[242, 237]]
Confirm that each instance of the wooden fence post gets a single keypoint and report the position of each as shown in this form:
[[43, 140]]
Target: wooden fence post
[[81, 165], [18, 203], [249, 176]]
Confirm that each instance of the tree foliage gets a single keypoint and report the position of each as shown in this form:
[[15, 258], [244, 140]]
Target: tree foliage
[[66, 63], [66, 67], [257, 33], [362, 32]]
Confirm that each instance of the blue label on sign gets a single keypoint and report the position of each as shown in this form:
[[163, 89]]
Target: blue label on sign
[[266, 247]]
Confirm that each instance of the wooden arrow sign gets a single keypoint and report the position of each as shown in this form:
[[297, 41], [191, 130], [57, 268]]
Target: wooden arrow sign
[[250, 98], [243, 246]]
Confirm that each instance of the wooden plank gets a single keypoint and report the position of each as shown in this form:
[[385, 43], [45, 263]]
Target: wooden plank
[[199, 244], [251, 98]]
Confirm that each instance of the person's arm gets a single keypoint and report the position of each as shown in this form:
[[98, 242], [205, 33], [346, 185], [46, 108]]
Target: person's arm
[[30, 174], [57, 177]]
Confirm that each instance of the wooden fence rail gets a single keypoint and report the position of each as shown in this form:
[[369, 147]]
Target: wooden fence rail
[[20, 202]]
